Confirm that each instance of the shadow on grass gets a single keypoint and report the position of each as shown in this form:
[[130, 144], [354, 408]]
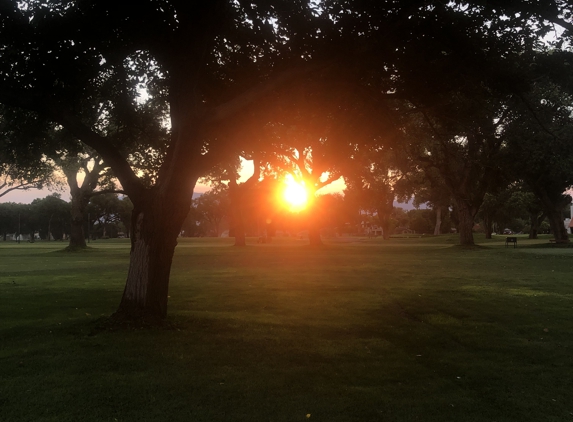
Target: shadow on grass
[[75, 249], [469, 248]]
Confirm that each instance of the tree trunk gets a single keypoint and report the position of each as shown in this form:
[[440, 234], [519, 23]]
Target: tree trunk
[[535, 221], [466, 215], [384, 211], [555, 218], [50, 227], [236, 198], [238, 226], [488, 226], [313, 223], [314, 235], [154, 230], [438, 226], [385, 224], [553, 208], [79, 203]]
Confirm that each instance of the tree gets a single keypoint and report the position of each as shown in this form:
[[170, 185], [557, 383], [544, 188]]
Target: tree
[[501, 207], [92, 169], [313, 138], [426, 186], [8, 219], [239, 194], [212, 207], [540, 152], [376, 173], [207, 61], [50, 216], [108, 215], [535, 211]]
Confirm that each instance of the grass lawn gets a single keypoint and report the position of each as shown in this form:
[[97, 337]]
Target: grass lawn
[[409, 329]]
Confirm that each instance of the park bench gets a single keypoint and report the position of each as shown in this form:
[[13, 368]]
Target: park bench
[[552, 240], [509, 240]]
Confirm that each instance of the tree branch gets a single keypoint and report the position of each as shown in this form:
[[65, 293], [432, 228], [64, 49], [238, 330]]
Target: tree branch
[[109, 153], [23, 186]]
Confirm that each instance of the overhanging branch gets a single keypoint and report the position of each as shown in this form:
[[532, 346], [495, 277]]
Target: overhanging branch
[[110, 154]]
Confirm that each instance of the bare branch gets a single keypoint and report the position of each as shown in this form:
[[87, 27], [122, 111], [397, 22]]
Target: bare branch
[[22, 186]]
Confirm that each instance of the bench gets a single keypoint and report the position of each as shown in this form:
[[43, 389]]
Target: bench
[[552, 240], [509, 240]]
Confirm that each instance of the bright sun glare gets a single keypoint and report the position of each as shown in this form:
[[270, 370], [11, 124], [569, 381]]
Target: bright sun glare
[[295, 193]]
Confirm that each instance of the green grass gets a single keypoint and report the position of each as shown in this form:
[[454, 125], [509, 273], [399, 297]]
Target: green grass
[[361, 330]]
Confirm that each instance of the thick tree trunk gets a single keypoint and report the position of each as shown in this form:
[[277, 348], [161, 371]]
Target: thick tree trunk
[[154, 232], [466, 215], [438, 226], [77, 234]]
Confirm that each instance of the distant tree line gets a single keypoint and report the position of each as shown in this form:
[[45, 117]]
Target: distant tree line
[[49, 218]]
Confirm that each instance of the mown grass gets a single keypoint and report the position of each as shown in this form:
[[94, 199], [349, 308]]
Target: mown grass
[[361, 330]]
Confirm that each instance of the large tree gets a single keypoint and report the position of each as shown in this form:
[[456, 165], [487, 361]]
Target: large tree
[[540, 149], [207, 61]]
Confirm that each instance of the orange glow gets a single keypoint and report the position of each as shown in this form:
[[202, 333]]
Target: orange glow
[[295, 194]]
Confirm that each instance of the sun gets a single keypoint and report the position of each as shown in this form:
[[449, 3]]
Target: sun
[[295, 194]]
